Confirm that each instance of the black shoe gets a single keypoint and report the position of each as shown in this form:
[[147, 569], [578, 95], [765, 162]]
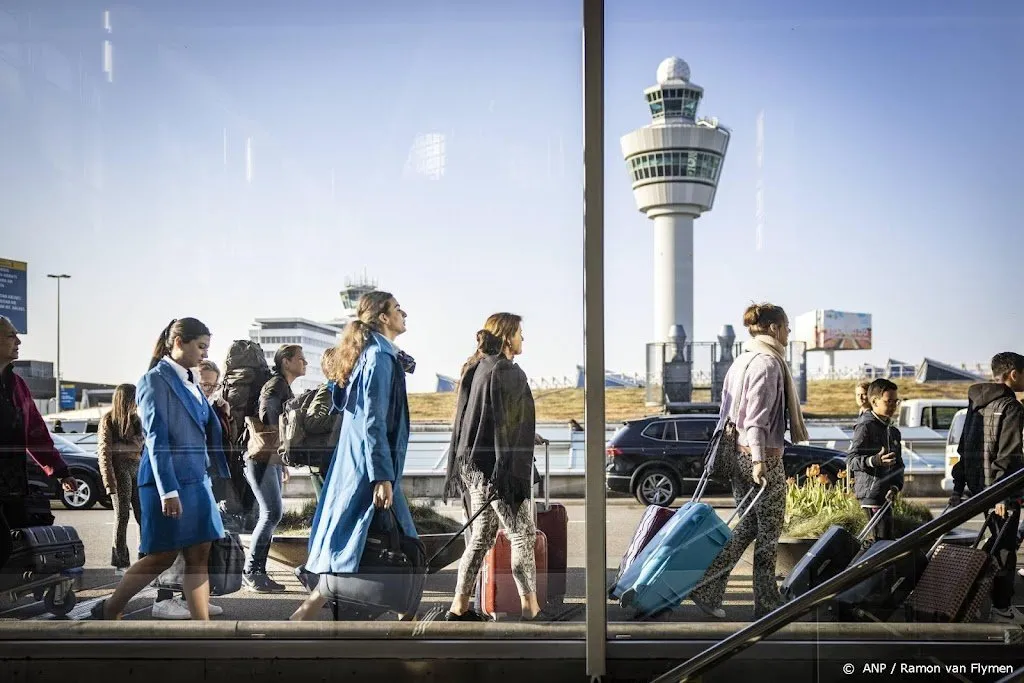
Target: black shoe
[[546, 614], [259, 582], [308, 579], [469, 615], [97, 613]]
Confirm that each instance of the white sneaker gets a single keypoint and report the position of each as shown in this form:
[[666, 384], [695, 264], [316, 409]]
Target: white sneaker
[[1012, 615], [177, 608], [174, 608]]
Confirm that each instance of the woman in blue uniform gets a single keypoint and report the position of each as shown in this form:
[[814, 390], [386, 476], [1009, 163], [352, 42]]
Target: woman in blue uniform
[[183, 439]]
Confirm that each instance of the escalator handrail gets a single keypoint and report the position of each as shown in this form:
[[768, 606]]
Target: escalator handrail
[[790, 611]]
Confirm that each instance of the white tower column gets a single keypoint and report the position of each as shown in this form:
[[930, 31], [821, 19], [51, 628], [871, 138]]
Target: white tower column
[[673, 274]]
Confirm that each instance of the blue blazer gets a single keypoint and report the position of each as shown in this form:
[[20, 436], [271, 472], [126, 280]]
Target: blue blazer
[[182, 437]]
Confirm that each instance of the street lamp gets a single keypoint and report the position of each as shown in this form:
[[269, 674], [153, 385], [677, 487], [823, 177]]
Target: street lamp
[[56, 372]]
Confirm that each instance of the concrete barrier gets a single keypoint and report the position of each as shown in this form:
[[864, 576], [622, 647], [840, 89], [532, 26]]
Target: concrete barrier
[[916, 485]]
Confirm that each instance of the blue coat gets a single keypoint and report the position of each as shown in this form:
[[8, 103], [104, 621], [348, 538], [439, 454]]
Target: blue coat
[[183, 439], [372, 447]]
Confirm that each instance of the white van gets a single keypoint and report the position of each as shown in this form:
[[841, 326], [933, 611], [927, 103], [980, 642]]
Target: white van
[[956, 430], [935, 413]]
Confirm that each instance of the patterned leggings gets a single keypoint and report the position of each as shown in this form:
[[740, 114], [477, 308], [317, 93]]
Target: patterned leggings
[[126, 473], [522, 533], [762, 526]]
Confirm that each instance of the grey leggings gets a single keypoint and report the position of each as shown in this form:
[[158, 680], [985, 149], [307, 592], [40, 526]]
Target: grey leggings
[[522, 533]]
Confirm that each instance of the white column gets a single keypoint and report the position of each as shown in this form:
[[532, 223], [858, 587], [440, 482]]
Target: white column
[[673, 275], [829, 366]]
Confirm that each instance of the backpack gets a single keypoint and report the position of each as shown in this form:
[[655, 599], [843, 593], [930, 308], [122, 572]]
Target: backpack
[[293, 429], [245, 372]]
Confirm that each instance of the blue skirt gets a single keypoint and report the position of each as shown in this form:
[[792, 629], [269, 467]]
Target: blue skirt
[[200, 520]]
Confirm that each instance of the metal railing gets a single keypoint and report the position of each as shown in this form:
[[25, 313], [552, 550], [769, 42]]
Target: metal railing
[[789, 612]]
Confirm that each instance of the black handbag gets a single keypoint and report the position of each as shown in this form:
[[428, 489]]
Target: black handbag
[[392, 570]]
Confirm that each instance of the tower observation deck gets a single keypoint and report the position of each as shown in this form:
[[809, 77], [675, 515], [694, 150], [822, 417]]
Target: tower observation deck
[[674, 163]]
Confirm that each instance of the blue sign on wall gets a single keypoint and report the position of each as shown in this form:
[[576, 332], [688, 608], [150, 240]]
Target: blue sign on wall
[[67, 398], [14, 293]]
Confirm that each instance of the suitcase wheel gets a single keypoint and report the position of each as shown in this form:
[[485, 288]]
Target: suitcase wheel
[[61, 610], [38, 594]]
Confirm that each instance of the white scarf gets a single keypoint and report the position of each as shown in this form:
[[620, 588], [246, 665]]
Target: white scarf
[[767, 344]]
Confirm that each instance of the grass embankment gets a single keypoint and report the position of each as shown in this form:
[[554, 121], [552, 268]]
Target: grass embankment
[[427, 520], [825, 399]]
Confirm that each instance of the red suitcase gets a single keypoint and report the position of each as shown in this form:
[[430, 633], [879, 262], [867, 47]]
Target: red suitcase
[[497, 591], [553, 520]]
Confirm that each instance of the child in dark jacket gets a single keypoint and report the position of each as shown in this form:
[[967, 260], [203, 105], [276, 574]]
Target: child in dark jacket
[[876, 455]]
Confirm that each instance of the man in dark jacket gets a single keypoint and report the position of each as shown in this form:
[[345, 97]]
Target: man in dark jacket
[[22, 431], [876, 455], [992, 447]]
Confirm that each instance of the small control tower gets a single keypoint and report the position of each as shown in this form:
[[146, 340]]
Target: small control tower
[[350, 296]]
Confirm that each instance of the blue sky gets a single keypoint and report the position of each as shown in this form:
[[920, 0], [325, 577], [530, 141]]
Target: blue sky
[[890, 172]]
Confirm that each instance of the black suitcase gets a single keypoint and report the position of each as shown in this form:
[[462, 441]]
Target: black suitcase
[[830, 555], [227, 559], [877, 597], [43, 550], [392, 571]]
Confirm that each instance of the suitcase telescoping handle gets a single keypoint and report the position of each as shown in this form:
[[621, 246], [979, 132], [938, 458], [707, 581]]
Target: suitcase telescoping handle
[[701, 485], [990, 521], [873, 522], [547, 474], [740, 511], [487, 503]]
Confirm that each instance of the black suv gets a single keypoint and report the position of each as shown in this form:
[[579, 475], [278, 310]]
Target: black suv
[[654, 457], [84, 467]]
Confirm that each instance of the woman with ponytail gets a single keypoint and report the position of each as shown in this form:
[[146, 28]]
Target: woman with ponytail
[[366, 471], [491, 459], [264, 469], [182, 439]]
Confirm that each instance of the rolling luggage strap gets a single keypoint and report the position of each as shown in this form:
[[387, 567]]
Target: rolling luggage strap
[[465, 526], [863, 535], [740, 511]]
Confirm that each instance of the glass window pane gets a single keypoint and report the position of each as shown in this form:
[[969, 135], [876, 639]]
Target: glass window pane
[[231, 163], [788, 137]]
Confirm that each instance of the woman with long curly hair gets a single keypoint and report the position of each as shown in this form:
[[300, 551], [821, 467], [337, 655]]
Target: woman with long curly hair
[[491, 458], [366, 471], [119, 450]]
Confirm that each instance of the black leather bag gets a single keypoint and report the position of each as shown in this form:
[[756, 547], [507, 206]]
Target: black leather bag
[[391, 573], [227, 559]]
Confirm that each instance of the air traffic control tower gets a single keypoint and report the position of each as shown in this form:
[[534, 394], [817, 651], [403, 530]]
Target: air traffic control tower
[[675, 163]]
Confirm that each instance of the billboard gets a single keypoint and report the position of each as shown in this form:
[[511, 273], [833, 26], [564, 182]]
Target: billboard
[[826, 330], [14, 293], [67, 397]]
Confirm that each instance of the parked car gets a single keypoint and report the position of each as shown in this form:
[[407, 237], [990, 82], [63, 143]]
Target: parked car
[[956, 430], [84, 467], [655, 457], [934, 413]]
